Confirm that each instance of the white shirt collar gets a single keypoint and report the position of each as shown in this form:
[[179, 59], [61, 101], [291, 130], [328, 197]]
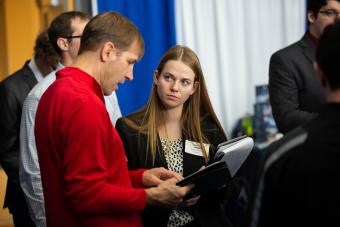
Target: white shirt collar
[[59, 66], [33, 66]]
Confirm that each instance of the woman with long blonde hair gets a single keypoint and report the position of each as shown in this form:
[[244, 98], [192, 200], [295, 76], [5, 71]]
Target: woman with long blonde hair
[[177, 129]]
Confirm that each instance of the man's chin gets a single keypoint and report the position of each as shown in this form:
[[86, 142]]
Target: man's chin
[[108, 93], [115, 88]]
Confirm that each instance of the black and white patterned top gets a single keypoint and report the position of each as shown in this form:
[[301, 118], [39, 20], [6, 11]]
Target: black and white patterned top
[[174, 158]]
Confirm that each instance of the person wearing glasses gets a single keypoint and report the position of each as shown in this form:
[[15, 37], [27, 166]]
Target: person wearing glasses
[[295, 92], [13, 91], [64, 33]]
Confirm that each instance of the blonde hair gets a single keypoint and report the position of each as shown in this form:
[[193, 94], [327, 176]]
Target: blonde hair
[[195, 108]]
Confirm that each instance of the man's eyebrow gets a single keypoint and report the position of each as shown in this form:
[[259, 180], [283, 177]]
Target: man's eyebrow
[[132, 61]]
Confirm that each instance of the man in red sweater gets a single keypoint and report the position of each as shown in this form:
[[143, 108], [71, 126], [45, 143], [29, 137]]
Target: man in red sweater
[[84, 171]]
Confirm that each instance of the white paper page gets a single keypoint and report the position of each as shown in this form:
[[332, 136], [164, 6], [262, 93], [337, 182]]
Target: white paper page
[[236, 153]]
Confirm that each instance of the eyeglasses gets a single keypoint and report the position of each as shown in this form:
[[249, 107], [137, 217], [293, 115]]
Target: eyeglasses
[[73, 36], [330, 13]]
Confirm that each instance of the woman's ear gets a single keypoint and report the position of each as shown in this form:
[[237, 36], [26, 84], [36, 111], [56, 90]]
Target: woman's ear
[[155, 77], [196, 84]]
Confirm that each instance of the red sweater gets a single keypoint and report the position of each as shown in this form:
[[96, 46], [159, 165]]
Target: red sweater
[[83, 165]]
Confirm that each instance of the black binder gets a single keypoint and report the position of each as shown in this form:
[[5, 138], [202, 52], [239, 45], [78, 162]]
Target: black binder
[[221, 168], [212, 177]]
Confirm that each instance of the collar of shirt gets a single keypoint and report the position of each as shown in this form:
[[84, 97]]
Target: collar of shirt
[[33, 66], [82, 77], [59, 66], [314, 39]]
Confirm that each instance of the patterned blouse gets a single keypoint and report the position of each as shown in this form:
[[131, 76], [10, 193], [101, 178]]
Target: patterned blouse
[[174, 158]]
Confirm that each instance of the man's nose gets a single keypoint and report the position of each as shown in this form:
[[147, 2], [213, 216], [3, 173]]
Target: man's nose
[[129, 75]]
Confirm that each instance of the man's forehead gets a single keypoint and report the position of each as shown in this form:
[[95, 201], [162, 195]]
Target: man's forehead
[[78, 24], [131, 55], [135, 50]]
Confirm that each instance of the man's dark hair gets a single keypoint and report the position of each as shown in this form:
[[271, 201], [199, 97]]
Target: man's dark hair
[[327, 55], [43, 49], [315, 5], [61, 26]]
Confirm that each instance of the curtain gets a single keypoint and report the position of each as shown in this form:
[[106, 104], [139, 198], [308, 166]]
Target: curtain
[[234, 41]]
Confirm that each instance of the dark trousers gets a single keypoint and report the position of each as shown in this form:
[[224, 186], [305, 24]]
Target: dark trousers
[[17, 206]]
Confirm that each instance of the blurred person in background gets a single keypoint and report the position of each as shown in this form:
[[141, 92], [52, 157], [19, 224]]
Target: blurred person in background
[[64, 33], [296, 94], [13, 91]]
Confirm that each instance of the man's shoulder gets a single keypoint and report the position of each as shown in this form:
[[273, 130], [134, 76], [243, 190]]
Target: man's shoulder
[[286, 146], [292, 50], [38, 90], [17, 78]]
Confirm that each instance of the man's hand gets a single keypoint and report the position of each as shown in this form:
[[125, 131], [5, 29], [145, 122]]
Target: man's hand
[[155, 176], [168, 194]]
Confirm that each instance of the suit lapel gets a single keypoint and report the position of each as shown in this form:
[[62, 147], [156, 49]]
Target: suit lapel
[[29, 77], [308, 48]]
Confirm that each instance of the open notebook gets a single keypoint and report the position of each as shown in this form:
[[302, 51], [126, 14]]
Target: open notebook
[[221, 168]]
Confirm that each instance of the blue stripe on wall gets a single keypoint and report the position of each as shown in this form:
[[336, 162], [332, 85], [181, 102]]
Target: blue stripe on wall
[[156, 21]]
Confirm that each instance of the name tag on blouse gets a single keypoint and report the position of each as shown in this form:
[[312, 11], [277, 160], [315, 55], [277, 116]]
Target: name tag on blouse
[[194, 148]]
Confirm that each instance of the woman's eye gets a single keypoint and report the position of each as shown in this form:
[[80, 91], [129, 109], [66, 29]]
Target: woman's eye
[[167, 77], [185, 82]]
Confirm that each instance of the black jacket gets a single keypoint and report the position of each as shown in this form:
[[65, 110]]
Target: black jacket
[[300, 181], [208, 211], [295, 91], [13, 91]]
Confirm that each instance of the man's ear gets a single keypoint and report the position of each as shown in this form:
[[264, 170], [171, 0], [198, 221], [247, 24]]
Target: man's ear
[[311, 17], [155, 77], [320, 74], [62, 44], [108, 52]]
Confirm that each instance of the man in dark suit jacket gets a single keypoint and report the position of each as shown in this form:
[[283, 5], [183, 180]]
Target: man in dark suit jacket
[[300, 180], [13, 91], [295, 92]]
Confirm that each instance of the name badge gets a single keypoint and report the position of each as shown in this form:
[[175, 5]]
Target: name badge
[[194, 148]]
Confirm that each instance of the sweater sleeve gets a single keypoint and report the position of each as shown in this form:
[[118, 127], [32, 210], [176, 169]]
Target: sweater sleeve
[[136, 177], [95, 170]]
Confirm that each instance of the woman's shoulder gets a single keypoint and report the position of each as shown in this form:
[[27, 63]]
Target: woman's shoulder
[[130, 123], [213, 132], [208, 123]]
